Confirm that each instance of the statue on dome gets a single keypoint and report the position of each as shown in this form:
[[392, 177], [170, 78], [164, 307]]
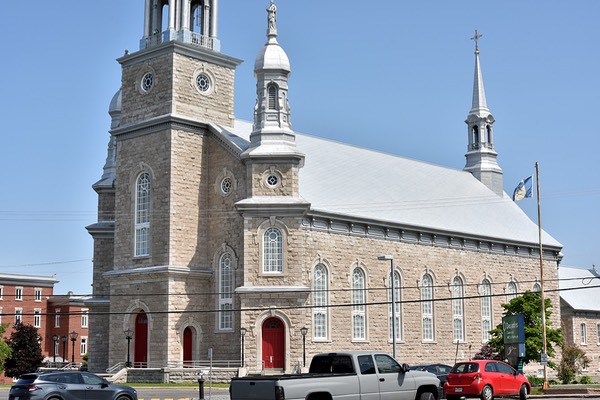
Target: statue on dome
[[272, 17]]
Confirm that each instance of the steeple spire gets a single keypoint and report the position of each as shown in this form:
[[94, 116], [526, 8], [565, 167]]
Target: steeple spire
[[481, 157], [272, 131]]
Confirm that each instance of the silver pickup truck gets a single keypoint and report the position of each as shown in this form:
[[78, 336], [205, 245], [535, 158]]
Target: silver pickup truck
[[349, 375]]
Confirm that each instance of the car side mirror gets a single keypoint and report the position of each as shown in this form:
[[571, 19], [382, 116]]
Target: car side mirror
[[404, 368], [104, 383]]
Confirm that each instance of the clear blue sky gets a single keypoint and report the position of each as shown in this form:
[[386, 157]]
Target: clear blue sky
[[390, 75]]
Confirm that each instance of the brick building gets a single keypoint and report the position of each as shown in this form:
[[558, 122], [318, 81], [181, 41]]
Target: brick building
[[223, 234], [30, 299]]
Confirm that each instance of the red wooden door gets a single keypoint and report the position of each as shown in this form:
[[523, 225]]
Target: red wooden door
[[187, 346], [140, 353], [273, 343]]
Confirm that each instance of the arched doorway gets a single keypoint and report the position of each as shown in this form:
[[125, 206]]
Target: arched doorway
[[188, 340], [140, 354], [273, 343]]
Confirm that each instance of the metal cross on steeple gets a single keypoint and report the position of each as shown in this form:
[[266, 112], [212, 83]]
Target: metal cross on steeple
[[476, 39]]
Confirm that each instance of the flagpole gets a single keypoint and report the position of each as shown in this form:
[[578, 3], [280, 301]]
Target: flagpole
[[539, 215]]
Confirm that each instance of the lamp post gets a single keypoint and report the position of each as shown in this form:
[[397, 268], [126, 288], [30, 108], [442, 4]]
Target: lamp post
[[304, 331], [64, 341], [128, 336], [73, 336], [55, 341], [242, 335], [393, 319]]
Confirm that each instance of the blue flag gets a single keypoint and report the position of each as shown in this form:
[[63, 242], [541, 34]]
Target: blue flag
[[523, 189]]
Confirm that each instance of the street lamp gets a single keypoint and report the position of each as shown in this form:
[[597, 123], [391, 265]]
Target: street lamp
[[242, 334], [64, 340], [304, 331], [128, 336], [55, 341], [73, 336], [393, 319]]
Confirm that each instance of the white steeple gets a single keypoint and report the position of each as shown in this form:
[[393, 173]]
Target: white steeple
[[272, 133], [481, 157]]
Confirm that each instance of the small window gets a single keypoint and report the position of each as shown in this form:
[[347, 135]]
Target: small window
[[37, 318], [83, 345], [583, 333], [37, 294], [475, 136], [19, 294], [511, 291], [84, 318], [57, 318], [272, 97], [597, 329], [18, 315]]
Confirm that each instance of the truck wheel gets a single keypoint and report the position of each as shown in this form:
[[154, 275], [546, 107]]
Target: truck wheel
[[523, 392], [487, 393], [427, 396]]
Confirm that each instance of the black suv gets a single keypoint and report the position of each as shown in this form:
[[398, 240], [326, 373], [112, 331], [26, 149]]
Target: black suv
[[68, 385]]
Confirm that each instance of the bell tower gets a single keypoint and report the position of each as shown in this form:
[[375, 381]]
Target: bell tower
[[151, 236], [481, 156]]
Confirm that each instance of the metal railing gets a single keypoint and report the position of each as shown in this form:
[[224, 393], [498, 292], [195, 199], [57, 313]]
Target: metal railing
[[178, 364], [184, 36]]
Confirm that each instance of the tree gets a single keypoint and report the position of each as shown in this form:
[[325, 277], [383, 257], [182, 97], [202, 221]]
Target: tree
[[486, 353], [5, 350], [530, 305], [572, 363], [26, 351]]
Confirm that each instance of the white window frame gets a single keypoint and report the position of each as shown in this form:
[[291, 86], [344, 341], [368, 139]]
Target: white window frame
[[37, 317], [83, 345], [458, 310], [19, 293], [359, 309], [427, 308], [84, 317], [486, 310], [273, 251], [37, 294], [18, 314], [143, 187], [320, 296], [226, 288], [583, 333], [511, 291], [57, 318], [398, 308], [1, 292]]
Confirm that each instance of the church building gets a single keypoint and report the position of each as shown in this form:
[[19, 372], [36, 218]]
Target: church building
[[267, 245]]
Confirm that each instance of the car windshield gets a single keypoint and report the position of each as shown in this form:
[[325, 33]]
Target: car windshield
[[465, 368]]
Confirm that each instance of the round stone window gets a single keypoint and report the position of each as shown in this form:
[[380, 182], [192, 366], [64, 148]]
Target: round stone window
[[203, 82], [147, 82], [226, 185], [272, 180]]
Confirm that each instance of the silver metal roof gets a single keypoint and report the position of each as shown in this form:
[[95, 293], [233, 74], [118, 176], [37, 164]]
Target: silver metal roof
[[354, 182], [580, 288]]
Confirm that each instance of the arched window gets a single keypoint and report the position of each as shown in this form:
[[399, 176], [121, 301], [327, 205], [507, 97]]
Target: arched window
[[273, 250], [475, 136], [164, 15], [320, 302], [226, 292], [511, 290], [458, 311], [427, 307], [272, 97], [396, 317], [488, 130], [486, 310], [142, 215], [359, 317], [197, 17], [583, 333], [537, 287]]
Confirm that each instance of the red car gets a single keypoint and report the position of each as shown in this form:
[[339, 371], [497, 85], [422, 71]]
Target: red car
[[485, 379]]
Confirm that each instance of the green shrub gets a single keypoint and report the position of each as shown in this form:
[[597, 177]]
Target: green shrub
[[585, 380], [535, 381]]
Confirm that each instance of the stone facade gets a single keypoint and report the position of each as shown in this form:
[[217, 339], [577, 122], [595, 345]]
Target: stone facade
[[212, 195]]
